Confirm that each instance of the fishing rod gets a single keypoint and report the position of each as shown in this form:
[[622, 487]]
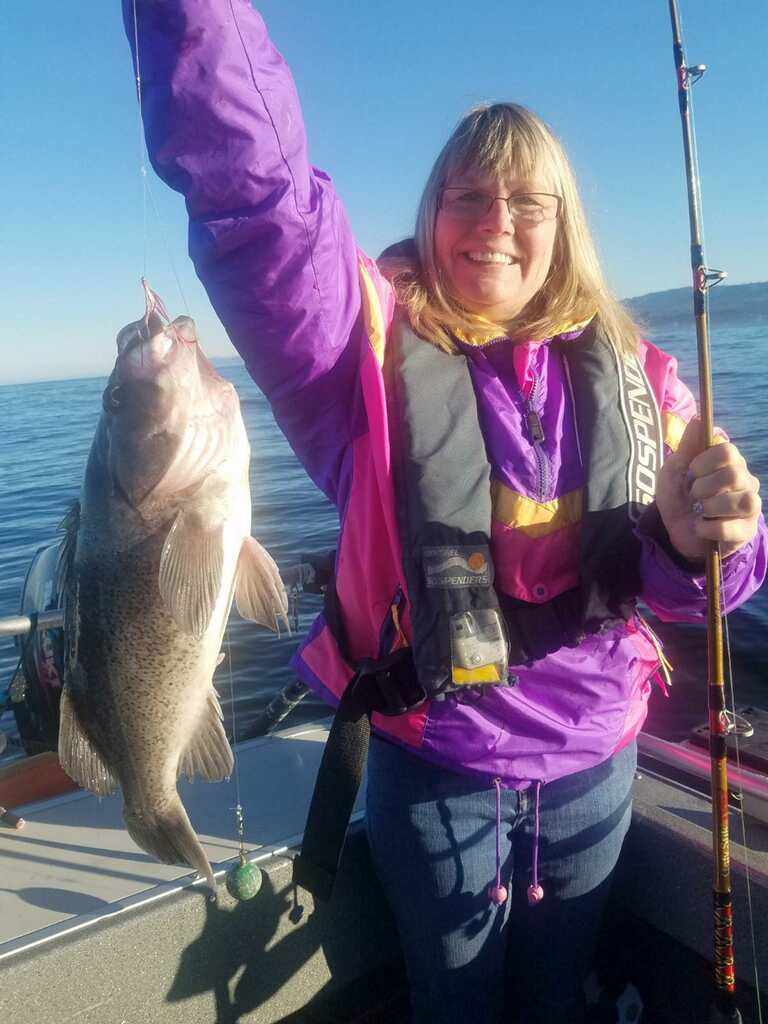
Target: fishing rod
[[724, 1009]]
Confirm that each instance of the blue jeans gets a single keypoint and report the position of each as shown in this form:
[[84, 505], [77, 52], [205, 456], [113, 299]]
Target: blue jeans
[[433, 842]]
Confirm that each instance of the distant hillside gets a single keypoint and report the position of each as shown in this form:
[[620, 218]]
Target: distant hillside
[[728, 303]]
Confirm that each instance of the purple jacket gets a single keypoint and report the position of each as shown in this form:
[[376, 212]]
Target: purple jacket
[[310, 315]]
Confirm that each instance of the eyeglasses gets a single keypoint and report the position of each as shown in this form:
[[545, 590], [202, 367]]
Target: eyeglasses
[[469, 204]]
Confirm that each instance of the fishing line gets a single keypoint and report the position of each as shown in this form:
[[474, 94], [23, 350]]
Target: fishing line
[[234, 717], [724, 614], [246, 885], [147, 188], [239, 808], [142, 143], [243, 879], [742, 816]]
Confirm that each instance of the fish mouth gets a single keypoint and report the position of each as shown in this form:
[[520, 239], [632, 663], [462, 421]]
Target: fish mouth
[[138, 334], [183, 420]]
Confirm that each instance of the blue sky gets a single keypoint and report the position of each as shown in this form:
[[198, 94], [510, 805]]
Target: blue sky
[[381, 86]]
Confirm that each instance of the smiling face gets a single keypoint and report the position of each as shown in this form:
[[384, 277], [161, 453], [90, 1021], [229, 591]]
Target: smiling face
[[492, 265]]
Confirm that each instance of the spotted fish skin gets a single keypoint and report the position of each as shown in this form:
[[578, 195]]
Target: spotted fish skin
[[153, 554]]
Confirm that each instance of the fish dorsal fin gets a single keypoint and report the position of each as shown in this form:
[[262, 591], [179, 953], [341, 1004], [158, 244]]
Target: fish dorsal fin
[[66, 584], [190, 571], [209, 753], [78, 756], [259, 591]]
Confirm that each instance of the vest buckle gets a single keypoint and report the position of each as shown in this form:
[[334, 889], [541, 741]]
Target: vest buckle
[[389, 685]]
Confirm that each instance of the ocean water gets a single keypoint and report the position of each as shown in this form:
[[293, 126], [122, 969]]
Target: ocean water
[[46, 430]]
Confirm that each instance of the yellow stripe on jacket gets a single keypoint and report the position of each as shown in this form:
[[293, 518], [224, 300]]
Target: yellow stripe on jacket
[[533, 518], [373, 315]]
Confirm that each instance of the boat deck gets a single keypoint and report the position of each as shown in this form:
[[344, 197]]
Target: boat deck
[[73, 863], [93, 931]]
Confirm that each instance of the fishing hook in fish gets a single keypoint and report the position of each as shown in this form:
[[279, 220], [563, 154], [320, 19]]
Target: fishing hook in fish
[[154, 304]]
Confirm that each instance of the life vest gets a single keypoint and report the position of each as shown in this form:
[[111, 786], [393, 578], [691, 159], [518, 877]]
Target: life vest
[[464, 632]]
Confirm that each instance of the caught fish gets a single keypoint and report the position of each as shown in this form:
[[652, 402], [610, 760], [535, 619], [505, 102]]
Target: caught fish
[[154, 552]]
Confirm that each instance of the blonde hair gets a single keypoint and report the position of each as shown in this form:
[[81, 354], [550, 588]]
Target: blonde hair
[[496, 141]]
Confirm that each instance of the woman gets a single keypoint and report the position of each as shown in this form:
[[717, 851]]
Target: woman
[[481, 532]]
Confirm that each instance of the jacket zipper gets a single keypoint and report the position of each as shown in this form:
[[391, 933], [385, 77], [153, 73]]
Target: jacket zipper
[[537, 436], [535, 427]]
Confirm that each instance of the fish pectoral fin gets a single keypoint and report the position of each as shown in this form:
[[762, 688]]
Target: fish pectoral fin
[[259, 591], [78, 756], [190, 571], [209, 753]]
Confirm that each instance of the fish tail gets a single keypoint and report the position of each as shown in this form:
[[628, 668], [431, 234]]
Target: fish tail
[[168, 836]]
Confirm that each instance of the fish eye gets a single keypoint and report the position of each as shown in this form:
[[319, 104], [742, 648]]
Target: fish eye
[[113, 397]]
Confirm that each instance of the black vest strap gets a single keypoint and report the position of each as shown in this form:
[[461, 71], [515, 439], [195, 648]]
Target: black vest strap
[[389, 686], [333, 800]]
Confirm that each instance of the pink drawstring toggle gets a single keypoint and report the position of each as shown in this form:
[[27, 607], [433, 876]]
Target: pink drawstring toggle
[[497, 894], [535, 895], [535, 891]]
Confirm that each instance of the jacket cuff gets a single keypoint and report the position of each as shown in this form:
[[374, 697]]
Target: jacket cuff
[[651, 525]]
